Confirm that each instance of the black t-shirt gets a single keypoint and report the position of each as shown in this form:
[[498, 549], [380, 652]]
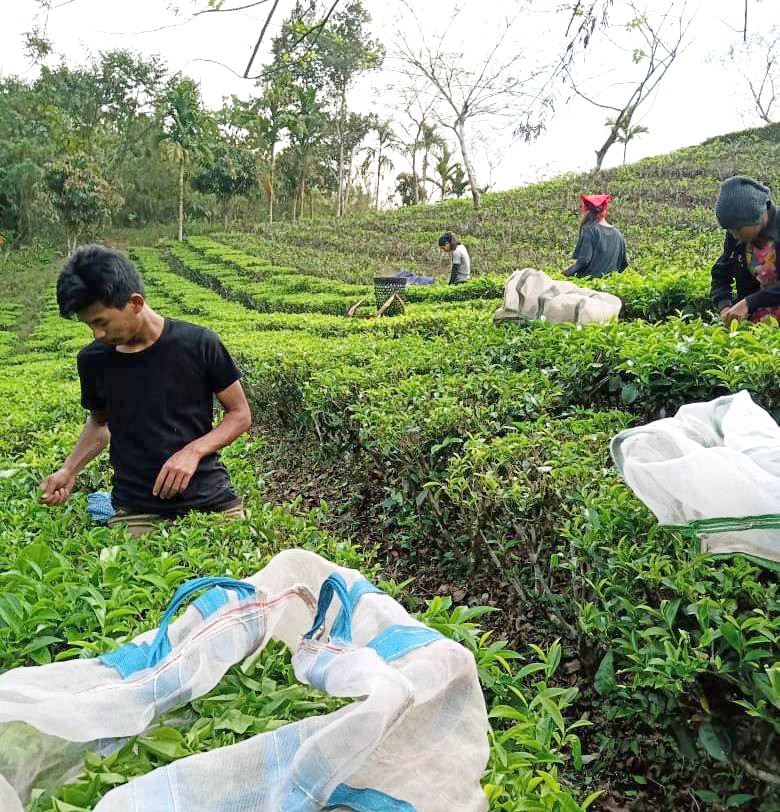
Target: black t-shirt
[[158, 400]]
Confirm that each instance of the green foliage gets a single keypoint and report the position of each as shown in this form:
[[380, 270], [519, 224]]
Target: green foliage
[[477, 450], [69, 589], [229, 171], [82, 197]]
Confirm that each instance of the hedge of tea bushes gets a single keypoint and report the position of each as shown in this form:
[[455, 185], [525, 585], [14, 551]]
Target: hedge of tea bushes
[[71, 589], [422, 409], [477, 440], [655, 294], [291, 293]]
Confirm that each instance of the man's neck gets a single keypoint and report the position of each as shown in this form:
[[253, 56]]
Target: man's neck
[[150, 330]]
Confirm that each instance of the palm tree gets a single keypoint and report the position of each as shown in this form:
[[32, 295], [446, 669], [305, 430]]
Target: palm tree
[[185, 125], [274, 107], [305, 129], [430, 139], [385, 139], [627, 133], [448, 172]]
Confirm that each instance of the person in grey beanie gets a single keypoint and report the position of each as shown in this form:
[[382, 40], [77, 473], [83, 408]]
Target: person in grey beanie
[[749, 258]]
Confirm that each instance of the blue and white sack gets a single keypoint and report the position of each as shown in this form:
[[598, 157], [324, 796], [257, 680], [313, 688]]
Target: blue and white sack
[[413, 740]]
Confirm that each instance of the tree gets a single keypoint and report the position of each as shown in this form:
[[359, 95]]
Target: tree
[[274, 109], [261, 122], [228, 170], [450, 176], [305, 128], [344, 50], [430, 139], [185, 126], [385, 138], [757, 60], [82, 196], [497, 90], [327, 56], [459, 182], [416, 106], [627, 134], [659, 39], [405, 183]]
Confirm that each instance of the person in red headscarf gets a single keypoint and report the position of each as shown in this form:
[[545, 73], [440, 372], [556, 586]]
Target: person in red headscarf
[[600, 249]]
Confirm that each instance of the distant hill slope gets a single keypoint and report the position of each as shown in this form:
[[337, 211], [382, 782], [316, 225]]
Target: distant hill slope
[[663, 205]]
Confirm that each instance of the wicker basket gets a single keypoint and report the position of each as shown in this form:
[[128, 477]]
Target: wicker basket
[[385, 287]]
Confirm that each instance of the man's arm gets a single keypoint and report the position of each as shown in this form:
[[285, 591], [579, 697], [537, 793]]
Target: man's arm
[[766, 297], [722, 276], [175, 475], [94, 437]]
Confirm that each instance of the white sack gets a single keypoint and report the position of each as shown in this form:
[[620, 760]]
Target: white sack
[[534, 295], [718, 460]]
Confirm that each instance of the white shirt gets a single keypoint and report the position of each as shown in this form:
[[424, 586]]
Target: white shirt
[[460, 257]]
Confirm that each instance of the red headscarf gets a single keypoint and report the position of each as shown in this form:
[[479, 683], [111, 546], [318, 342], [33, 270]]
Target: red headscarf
[[597, 203]]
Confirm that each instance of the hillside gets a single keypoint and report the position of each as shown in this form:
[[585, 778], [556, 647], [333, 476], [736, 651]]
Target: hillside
[[663, 205], [468, 463]]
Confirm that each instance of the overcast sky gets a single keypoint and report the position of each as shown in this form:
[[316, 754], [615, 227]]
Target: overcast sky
[[698, 99]]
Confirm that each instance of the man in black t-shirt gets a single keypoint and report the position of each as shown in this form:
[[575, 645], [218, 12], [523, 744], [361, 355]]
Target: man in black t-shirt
[[149, 384]]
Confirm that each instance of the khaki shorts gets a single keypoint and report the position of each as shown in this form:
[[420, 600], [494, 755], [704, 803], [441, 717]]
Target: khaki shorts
[[139, 524]]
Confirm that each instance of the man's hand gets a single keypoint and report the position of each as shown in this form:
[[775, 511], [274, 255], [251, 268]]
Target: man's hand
[[175, 475], [57, 487], [736, 312]]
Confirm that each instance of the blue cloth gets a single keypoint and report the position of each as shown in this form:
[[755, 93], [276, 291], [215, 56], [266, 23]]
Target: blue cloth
[[100, 507], [411, 279]]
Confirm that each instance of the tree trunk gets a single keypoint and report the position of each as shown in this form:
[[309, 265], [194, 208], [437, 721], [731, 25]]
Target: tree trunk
[[425, 172], [340, 194], [181, 200], [272, 194], [348, 184], [601, 153], [378, 177], [625, 149], [461, 133], [415, 176]]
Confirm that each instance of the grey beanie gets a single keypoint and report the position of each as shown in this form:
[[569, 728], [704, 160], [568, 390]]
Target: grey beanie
[[741, 202]]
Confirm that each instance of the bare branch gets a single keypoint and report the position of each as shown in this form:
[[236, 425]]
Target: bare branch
[[260, 38], [661, 41], [228, 10]]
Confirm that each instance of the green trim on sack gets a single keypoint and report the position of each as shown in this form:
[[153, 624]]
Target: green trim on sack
[[770, 521], [726, 524]]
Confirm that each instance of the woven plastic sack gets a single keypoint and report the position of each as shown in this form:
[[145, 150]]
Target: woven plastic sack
[[532, 294], [713, 467], [415, 738]]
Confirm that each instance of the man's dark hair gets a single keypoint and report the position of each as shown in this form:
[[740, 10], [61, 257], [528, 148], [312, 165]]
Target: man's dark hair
[[96, 274]]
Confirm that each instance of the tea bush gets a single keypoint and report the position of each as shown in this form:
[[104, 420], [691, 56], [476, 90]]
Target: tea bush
[[479, 452], [69, 589]]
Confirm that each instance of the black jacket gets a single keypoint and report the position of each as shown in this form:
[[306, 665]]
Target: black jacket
[[732, 267]]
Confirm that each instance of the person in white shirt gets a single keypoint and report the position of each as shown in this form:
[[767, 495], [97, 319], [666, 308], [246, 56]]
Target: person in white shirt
[[461, 263]]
